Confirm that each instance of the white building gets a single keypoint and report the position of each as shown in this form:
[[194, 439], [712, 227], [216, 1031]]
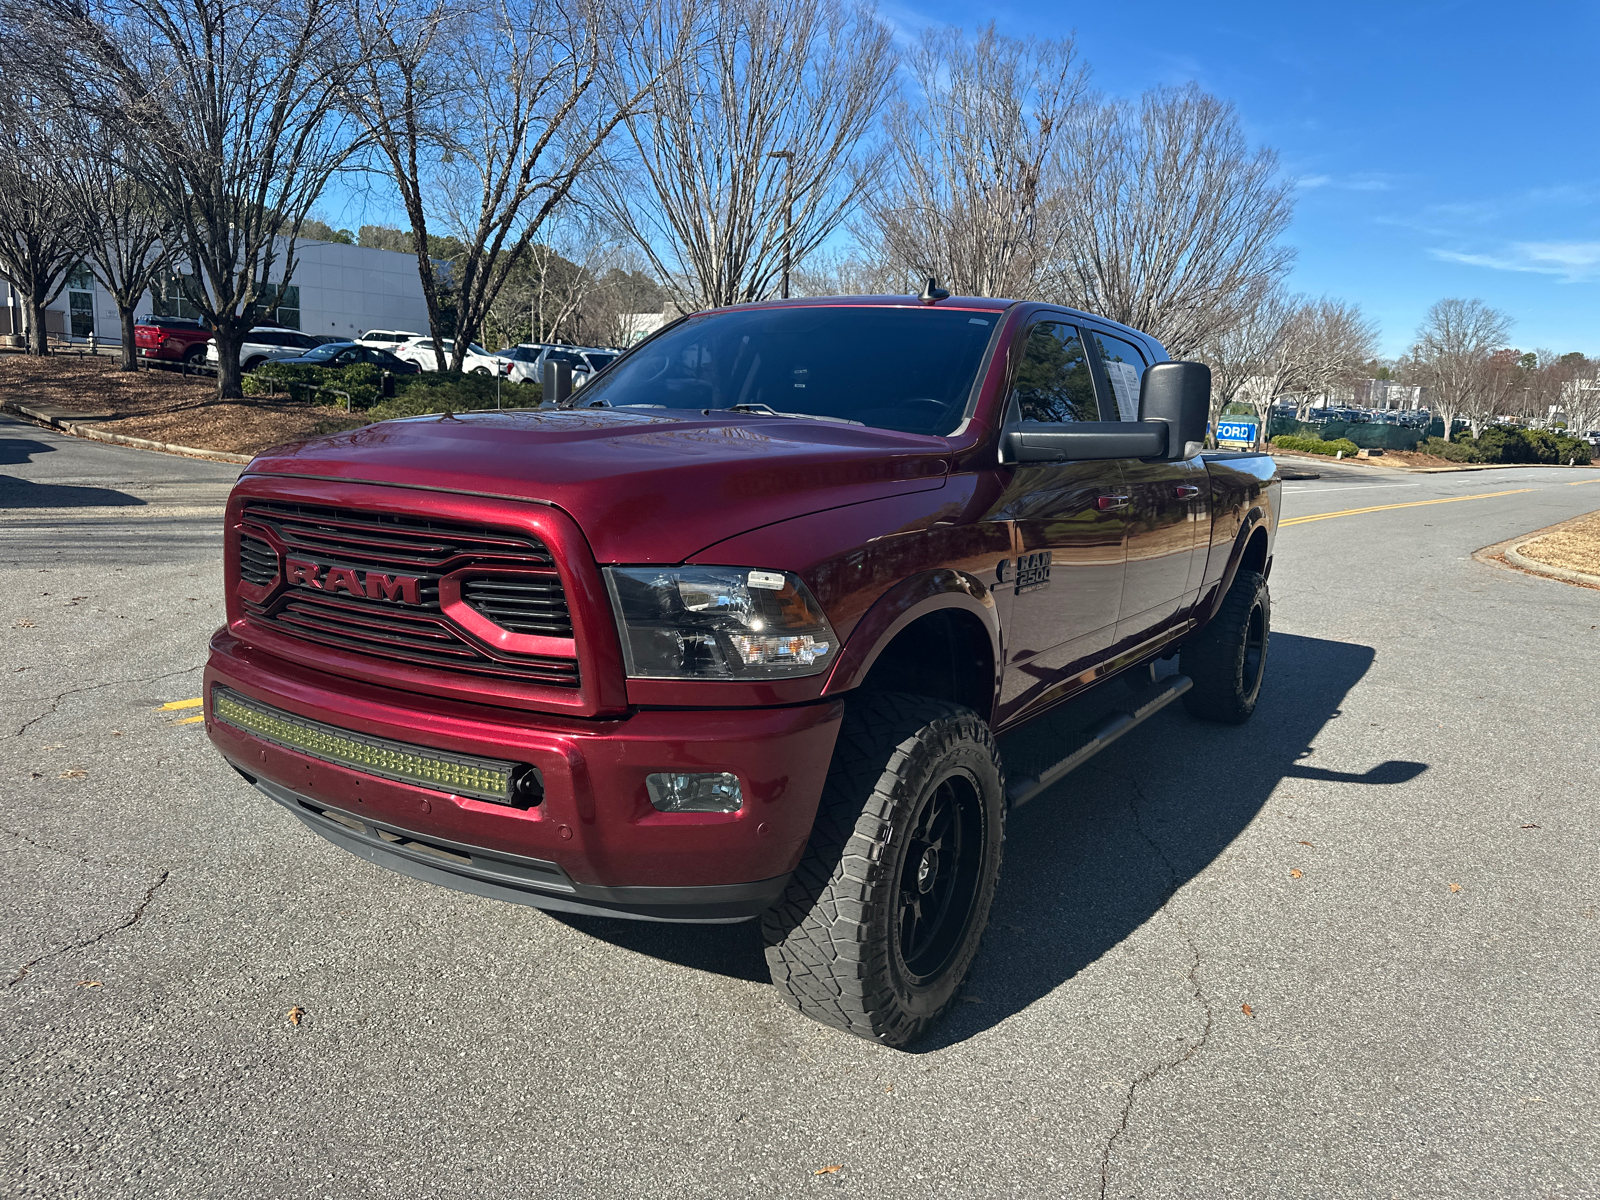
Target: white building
[[336, 291]]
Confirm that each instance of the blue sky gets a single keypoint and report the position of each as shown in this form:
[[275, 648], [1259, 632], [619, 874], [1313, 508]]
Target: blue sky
[[1442, 149]]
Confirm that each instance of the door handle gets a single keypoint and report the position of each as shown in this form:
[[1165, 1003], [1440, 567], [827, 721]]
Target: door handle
[[1111, 503], [1186, 491]]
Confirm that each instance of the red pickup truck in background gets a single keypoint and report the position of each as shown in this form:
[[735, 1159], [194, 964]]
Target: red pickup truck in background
[[777, 626], [172, 339]]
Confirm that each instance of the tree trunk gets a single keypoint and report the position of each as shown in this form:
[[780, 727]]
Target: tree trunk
[[38, 336], [230, 380], [130, 353]]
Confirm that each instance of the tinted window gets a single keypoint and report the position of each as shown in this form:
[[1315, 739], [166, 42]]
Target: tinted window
[[1124, 364], [265, 337], [601, 361], [1053, 382], [909, 369]]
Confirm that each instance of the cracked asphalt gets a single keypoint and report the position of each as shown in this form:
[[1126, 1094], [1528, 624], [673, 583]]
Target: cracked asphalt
[[1346, 950]]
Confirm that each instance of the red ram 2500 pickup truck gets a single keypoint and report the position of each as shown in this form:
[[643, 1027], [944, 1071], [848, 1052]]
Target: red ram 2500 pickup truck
[[736, 639]]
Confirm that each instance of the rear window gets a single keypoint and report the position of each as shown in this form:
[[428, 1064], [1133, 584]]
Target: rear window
[[909, 369]]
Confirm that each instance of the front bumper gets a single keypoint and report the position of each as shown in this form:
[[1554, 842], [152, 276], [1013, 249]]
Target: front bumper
[[595, 844]]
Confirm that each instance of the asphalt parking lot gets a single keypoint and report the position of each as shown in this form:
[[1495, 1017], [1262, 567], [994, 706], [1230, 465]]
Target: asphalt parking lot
[[1346, 950]]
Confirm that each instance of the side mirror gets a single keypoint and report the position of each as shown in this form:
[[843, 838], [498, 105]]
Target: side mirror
[[1178, 393]]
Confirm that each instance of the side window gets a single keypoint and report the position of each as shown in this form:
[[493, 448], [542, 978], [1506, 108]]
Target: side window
[[1124, 365], [1053, 382], [265, 337]]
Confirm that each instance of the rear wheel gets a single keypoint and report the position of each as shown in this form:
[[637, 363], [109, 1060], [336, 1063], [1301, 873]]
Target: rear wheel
[[883, 917], [250, 364], [195, 356], [1229, 659]]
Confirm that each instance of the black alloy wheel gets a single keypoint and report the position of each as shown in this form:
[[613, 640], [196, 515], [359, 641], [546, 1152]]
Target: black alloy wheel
[[939, 878]]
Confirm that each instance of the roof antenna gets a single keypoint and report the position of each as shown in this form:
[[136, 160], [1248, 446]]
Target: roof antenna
[[933, 293]]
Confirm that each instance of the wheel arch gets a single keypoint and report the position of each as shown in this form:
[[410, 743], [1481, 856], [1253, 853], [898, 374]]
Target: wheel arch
[[935, 634], [1251, 551]]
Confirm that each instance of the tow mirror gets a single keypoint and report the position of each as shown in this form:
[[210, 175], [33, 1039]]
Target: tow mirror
[[1179, 394]]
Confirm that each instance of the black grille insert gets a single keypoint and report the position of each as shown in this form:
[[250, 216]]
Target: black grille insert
[[258, 562], [525, 604]]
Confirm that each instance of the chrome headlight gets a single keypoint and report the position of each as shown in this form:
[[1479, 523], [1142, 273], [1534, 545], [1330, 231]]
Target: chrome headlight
[[718, 623]]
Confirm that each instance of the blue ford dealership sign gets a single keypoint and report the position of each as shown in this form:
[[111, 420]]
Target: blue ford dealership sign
[[1236, 431]]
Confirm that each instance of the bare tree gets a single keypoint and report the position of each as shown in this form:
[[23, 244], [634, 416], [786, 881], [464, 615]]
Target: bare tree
[[1245, 357], [973, 184], [1339, 342], [127, 236], [1169, 221], [39, 220], [486, 117], [230, 104], [755, 149], [1452, 350]]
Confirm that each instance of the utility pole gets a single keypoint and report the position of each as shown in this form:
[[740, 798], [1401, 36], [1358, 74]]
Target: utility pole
[[788, 210]]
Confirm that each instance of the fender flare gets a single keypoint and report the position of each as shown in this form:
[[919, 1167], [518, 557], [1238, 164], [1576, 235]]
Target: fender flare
[[910, 600], [1255, 519]]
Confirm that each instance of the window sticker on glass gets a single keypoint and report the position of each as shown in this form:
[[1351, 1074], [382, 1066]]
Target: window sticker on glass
[[1125, 386]]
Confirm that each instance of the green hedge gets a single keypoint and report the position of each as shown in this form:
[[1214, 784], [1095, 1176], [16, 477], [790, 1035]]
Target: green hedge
[[1510, 444], [1312, 445], [414, 395]]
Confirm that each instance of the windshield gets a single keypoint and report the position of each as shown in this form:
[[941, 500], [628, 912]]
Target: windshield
[[322, 353], [909, 369], [521, 354]]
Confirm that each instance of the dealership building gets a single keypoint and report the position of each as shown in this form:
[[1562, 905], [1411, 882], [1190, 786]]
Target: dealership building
[[336, 291]]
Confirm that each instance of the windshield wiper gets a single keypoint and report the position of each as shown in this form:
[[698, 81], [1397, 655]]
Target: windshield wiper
[[767, 411]]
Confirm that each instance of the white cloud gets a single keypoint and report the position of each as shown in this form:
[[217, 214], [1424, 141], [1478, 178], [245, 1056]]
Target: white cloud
[[1306, 182], [1571, 262]]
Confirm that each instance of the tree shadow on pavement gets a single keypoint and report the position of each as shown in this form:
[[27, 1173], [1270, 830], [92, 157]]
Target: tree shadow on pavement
[[23, 493], [21, 450], [1096, 856]]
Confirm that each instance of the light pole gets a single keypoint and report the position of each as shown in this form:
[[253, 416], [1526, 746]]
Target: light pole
[[788, 210]]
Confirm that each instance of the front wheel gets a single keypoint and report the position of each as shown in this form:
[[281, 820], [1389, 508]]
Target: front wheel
[[481, 371], [882, 918], [1229, 659]]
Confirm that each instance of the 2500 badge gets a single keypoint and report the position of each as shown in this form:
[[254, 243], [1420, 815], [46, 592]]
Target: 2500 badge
[[1031, 573]]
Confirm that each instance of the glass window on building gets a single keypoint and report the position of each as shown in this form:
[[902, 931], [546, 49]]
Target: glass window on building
[[81, 306], [280, 305], [171, 299]]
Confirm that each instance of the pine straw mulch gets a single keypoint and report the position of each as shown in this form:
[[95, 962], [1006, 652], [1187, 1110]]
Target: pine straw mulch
[[1573, 546], [161, 405]]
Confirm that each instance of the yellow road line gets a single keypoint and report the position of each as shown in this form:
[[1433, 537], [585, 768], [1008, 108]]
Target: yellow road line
[[188, 720], [1581, 482], [1351, 512], [195, 703]]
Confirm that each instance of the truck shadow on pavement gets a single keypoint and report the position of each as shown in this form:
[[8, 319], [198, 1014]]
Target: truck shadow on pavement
[[23, 493], [1095, 857]]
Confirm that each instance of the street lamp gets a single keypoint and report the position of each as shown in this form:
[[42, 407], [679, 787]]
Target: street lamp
[[788, 209]]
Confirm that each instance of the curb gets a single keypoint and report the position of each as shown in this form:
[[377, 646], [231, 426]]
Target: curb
[[122, 439], [76, 428], [1534, 567]]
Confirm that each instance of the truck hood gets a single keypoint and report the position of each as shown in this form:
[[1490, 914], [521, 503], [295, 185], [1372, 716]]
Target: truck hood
[[643, 486]]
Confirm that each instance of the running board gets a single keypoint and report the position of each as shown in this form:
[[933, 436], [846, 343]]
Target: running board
[[1029, 780]]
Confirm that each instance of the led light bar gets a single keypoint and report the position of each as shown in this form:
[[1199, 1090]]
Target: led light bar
[[482, 778]]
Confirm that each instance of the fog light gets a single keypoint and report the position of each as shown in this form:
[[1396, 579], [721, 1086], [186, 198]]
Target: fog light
[[676, 792]]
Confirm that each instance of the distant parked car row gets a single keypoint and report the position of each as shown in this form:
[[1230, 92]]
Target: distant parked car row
[[399, 351]]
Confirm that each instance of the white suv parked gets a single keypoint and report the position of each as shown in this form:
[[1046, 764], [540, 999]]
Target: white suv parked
[[387, 339], [477, 362], [266, 343]]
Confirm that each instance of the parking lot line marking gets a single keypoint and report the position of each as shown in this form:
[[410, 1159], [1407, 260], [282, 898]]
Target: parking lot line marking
[[195, 703], [1351, 512], [189, 720]]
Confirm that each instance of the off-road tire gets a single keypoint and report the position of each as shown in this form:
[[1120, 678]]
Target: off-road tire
[[1229, 659], [835, 939]]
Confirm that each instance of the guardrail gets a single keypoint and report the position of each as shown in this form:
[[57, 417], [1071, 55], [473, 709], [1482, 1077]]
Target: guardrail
[[289, 385]]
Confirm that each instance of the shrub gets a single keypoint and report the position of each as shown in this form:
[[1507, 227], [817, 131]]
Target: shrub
[[431, 391], [1314, 445], [1452, 451]]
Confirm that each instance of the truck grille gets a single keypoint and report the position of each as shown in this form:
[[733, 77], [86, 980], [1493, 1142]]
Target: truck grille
[[531, 601]]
